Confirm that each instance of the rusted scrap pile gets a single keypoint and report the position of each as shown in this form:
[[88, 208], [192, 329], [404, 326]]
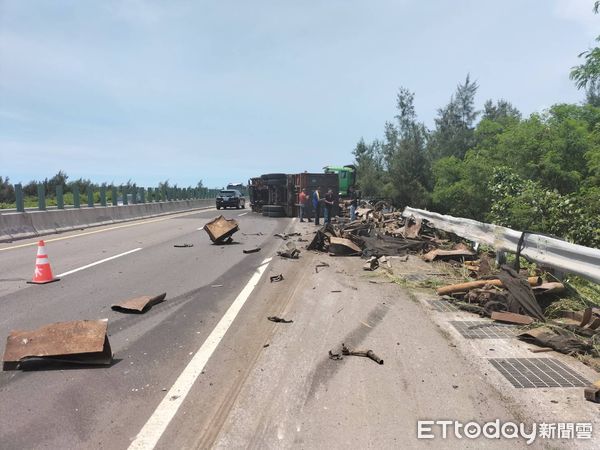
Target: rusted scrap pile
[[375, 233]]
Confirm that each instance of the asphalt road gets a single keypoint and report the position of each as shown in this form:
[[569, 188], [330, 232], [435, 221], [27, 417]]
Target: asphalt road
[[106, 407]]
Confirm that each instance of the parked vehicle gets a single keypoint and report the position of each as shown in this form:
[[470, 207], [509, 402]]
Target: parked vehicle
[[230, 198]]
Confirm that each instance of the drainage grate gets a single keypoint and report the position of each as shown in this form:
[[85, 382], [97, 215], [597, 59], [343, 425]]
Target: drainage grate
[[443, 305], [538, 373], [479, 329]]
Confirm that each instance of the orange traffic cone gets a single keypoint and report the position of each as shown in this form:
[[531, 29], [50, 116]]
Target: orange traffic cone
[[43, 272]]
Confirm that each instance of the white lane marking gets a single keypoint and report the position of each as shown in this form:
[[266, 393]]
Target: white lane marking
[[242, 214], [98, 262], [152, 431], [116, 227]]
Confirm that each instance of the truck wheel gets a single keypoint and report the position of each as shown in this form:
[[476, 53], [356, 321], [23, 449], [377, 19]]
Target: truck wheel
[[218, 207]]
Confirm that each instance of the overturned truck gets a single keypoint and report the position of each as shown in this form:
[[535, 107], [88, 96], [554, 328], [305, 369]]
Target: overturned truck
[[276, 194]]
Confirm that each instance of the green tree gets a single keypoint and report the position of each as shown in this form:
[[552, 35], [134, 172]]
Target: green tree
[[454, 126]]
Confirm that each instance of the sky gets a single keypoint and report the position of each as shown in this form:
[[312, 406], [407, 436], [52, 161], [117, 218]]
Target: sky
[[222, 91]]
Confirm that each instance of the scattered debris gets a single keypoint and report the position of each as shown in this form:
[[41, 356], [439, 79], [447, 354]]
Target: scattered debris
[[347, 352], [276, 278], [336, 291], [138, 305], [371, 264], [286, 236], [541, 350], [253, 234], [592, 393], [183, 245], [321, 264], [508, 317], [460, 254], [266, 345], [562, 343], [221, 229], [252, 250], [216, 285], [343, 247], [278, 319], [464, 287], [77, 342], [289, 250]]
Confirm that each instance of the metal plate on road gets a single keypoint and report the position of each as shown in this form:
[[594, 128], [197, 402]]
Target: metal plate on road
[[80, 341], [479, 329], [538, 373]]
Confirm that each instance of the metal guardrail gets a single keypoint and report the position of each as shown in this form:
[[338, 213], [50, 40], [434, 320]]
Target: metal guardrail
[[545, 250]]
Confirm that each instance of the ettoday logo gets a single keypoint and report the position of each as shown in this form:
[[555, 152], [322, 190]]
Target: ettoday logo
[[443, 429]]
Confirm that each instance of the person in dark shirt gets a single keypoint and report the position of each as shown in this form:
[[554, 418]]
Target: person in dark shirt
[[328, 206], [316, 202]]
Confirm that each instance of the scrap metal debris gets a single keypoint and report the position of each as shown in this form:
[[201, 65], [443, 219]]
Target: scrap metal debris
[[508, 317], [139, 305], [321, 264], [286, 236], [289, 250], [276, 278], [557, 339], [347, 352], [221, 229], [183, 245], [371, 264], [592, 393], [77, 342], [343, 247], [278, 319], [252, 250]]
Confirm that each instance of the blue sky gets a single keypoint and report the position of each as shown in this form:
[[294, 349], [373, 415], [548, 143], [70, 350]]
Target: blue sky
[[221, 91]]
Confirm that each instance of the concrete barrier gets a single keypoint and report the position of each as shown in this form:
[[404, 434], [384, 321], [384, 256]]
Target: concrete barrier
[[38, 223]]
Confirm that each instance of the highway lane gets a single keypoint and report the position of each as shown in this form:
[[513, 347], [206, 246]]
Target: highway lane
[[106, 407]]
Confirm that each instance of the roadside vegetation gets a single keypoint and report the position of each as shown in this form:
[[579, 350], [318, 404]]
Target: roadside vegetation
[[538, 173], [7, 190]]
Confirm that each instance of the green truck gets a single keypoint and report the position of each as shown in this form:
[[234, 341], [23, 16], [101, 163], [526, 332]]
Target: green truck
[[346, 175]]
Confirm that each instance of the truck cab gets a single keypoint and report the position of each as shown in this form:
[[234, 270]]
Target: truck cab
[[346, 175]]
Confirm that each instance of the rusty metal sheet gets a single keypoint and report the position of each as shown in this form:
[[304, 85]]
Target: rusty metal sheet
[[139, 304], [436, 254], [221, 229], [592, 393], [80, 342], [509, 317], [343, 247]]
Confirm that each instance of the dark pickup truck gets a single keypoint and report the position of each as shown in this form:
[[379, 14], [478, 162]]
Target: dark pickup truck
[[230, 198]]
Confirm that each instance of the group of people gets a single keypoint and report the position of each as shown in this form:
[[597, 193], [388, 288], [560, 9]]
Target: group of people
[[324, 204]]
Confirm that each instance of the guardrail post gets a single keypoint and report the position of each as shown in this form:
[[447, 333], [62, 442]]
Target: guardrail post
[[90, 196], [41, 192], [60, 197], [103, 195], [114, 193], [124, 194], [19, 199], [76, 198]]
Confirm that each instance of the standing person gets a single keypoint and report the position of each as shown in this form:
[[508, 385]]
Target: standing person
[[316, 202], [302, 203], [328, 205], [353, 203]]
